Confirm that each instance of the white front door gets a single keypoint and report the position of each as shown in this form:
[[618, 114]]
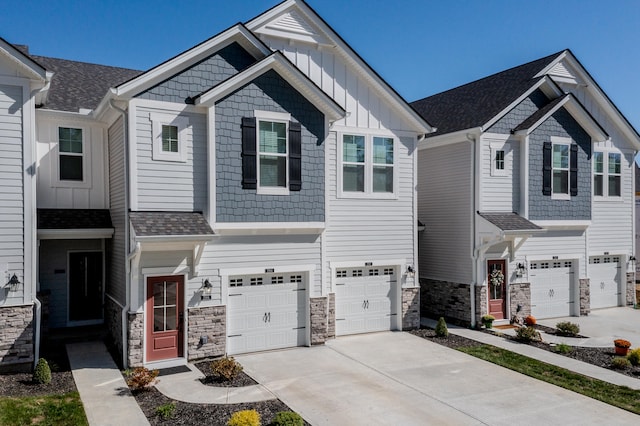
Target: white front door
[[551, 287], [266, 312], [365, 299], [605, 279]]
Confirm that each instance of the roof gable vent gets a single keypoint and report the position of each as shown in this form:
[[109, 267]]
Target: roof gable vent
[[562, 73], [293, 25]]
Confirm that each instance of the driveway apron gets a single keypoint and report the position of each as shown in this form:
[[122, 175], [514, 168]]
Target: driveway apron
[[396, 378]]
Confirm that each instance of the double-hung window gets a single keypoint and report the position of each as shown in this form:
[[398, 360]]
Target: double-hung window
[[560, 169], [367, 165], [607, 174], [170, 136], [272, 152], [71, 156]]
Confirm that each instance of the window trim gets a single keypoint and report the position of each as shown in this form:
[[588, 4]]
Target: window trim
[[494, 148], [272, 117], [605, 174], [86, 156], [368, 165], [556, 141], [182, 123]]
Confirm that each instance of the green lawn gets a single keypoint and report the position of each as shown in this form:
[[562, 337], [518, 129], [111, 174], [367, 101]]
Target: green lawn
[[619, 396], [47, 410]]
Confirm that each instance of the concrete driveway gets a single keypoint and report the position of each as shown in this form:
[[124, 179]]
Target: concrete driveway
[[395, 378], [602, 326]]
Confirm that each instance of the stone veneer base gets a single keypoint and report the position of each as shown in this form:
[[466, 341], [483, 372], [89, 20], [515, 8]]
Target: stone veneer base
[[411, 308], [447, 299], [319, 319], [16, 335], [207, 323]]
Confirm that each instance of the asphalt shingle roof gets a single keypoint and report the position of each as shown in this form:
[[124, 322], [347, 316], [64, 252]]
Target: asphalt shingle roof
[[78, 85], [510, 221], [74, 219], [533, 118], [475, 104], [147, 224]]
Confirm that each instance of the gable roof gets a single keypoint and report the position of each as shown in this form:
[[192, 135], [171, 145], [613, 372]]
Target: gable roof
[[475, 104], [22, 58], [77, 85], [354, 59]]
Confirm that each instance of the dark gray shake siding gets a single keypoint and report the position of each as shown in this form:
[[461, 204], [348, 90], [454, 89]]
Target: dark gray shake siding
[[269, 92], [202, 76], [561, 124]]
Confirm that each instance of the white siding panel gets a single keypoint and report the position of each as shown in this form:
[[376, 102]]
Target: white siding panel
[[11, 188], [362, 229], [173, 177], [563, 244], [445, 207], [499, 191], [116, 261]]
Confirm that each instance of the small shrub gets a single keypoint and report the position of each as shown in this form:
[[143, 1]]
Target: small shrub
[[244, 418], [488, 318], [620, 363], [226, 368], [166, 411], [42, 372], [141, 378], [441, 328], [287, 418], [567, 328], [527, 334], [563, 348], [530, 320], [634, 357]]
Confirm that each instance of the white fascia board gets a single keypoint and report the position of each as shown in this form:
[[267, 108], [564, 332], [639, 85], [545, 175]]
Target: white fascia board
[[574, 108], [286, 70], [173, 238], [31, 67], [600, 97], [269, 228], [257, 270], [75, 234], [419, 124], [563, 224], [545, 82], [450, 138], [237, 33]]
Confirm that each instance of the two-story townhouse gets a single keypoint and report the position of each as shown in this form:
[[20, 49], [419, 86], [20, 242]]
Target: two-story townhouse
[[526, 193], [254, 192]]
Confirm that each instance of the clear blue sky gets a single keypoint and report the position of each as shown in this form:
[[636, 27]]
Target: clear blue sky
[[420, 47]]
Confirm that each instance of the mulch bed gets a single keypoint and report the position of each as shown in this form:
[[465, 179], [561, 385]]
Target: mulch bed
[[210, 380], [600, 357], [20, 384]]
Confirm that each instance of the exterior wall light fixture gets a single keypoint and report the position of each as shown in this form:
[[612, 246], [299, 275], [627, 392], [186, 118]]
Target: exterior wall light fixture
[[520, 270], [206, 290], [13, 283]]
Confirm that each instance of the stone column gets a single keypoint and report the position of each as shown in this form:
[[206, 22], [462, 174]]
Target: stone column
[[630, 289], [331, 321], [319, 317], [520, 294], [16, 335], [410, 308], [136, 335], [585, 297], [207, 332]]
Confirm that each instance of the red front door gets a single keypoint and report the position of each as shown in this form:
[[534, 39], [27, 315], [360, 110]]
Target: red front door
[[164, 317], [497, 280]]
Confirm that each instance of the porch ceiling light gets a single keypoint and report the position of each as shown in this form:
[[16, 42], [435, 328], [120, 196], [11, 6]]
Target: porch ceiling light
[[13, 283], [206, 290]]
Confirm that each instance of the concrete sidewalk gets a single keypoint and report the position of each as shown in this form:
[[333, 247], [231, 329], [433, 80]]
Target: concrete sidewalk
[[106, 398], [567, 363]]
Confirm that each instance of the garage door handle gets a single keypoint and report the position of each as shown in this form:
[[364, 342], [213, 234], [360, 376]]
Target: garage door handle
[[340, 319], [299, 328], [235, 294], [299, 289], [235, 335]]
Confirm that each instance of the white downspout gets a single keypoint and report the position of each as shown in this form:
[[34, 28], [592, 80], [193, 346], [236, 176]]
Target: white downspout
[[127, 279], [474, 272]]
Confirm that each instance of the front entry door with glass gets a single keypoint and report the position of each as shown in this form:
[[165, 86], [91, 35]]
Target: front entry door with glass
[[497, 288], [164, 314]]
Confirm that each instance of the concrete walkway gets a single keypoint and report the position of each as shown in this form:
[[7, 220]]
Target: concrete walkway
[[106, 398], [570, 364], [186, 387]]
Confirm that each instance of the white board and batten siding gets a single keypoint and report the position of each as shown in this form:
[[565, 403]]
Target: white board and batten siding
[[92, 192], [445, 197], [499, 189], [170, 185], [12, 245]]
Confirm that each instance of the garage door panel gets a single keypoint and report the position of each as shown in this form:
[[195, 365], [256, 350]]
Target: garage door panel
[[271, 315], [605, 278], [551, 284]]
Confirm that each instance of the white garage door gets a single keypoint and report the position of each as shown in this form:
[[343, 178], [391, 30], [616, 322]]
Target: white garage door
[[365, 299], [266, 312], [551, 285], [605, 278]]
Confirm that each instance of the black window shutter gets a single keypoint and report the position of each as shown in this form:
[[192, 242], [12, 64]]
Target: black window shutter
[[249, 165], [573, 170], [295, 156], [546, 168]]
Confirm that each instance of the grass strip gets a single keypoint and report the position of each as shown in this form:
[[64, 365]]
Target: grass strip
[[49, 410], [618, 396]]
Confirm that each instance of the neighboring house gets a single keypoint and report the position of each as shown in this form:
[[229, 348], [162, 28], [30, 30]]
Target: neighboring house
[[254, 192], [526, 192]]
